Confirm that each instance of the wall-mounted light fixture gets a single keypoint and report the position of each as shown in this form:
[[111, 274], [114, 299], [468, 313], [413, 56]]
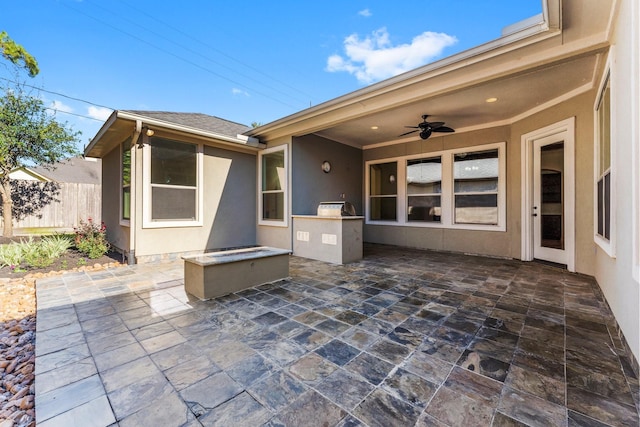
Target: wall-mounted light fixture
[[326, 166], [145, 131]]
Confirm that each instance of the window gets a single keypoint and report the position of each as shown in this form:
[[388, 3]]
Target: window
[[476, 187], [383, 191], [462, 189], [173, 172], [125, 202], [273, 177], [424, 189], [603, 186]]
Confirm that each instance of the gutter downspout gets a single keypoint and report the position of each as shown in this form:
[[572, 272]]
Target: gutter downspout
[[131, 255]]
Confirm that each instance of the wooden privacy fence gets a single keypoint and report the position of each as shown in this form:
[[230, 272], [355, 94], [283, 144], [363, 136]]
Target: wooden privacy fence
[[72, 203]]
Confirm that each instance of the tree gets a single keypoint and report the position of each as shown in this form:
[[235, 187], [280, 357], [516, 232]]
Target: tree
[[28, 133], [17, 54]]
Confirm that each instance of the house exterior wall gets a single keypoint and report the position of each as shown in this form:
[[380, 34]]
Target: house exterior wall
[[503, 243], [276, 236], [117, 234], [494, 243], [618, 276], [310, 185], [229, 214], [580, 107]]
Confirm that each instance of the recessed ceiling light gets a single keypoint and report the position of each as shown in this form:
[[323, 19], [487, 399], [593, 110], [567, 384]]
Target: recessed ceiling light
[[374, 127], [489, 100]]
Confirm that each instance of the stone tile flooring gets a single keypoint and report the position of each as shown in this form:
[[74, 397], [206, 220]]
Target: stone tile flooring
[[402, 338]]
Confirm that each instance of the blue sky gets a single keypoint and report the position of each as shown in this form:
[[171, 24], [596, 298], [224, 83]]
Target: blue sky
[[245, 61]]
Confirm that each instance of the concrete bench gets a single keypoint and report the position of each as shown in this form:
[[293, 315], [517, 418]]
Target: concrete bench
[[215, 274]]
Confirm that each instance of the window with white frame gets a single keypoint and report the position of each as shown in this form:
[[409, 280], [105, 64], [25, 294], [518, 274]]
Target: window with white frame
[[448, 189], [603, 167], [273, 185], [125, 178], [424, 189], [172, 176], [383, 191], [476, 187]]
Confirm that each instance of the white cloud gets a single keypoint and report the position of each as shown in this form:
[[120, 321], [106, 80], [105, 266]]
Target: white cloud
[[99, 113], [374, 58], [237, 91], [365, 12], [61, 106]]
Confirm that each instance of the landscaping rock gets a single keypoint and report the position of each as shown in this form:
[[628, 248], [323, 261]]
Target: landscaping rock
[[18, 346]]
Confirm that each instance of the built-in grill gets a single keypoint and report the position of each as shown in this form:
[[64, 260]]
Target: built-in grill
[[333, 235], [334, 209]]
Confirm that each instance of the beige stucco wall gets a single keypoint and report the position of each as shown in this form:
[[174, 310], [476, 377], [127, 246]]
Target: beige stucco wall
[[580, 107], [494, 243], [118, 235], [503, 243], [618, 276]]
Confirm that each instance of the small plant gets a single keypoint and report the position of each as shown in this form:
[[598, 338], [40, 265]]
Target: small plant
[[91, 239], [40, 254], [11, 255], [82, 261]]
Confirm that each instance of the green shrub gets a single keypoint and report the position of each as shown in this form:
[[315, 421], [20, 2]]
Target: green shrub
[[56, 245], [10, 255], [37, 254], [91, 239], [42, 253]]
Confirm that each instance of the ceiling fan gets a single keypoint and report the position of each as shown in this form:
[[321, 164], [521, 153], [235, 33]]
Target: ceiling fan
[[426, 128]]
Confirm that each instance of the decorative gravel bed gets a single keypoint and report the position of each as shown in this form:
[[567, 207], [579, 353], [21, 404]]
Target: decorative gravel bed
[[18, 346]]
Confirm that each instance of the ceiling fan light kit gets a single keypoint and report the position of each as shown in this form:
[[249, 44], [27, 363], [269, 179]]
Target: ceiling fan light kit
[[427, 128]]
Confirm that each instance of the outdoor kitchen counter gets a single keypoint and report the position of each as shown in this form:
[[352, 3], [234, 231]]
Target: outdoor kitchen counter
[[335, 239]]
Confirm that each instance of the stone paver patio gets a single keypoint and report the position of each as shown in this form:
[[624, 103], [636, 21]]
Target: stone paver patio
[[402, 338]]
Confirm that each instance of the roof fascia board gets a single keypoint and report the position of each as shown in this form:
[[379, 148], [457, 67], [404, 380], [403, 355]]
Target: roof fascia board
[[515, 40], [103, 130], [240, 139]]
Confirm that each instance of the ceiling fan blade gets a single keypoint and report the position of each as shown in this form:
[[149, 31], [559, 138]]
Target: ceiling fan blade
[[412, 127], [435, 125], [443, 129], [411, 131]]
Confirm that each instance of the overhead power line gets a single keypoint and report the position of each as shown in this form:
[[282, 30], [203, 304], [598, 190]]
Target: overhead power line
[[186, 60]]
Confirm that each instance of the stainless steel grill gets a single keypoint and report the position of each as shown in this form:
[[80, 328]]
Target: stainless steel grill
[[333, 209]]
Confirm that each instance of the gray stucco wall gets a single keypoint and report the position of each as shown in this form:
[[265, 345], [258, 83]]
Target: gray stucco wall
[[310, 185], [229, 214]]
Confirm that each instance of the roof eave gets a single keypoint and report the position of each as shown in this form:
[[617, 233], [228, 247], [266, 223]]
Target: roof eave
[[148, 121], [94, 147]]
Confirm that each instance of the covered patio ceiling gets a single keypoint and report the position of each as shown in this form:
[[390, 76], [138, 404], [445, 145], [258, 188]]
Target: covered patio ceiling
[[467, 109]]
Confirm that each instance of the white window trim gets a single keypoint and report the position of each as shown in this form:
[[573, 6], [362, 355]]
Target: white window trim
[[271, 222], [147, 222], [125, 222], [447, 198], [608, 246]]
